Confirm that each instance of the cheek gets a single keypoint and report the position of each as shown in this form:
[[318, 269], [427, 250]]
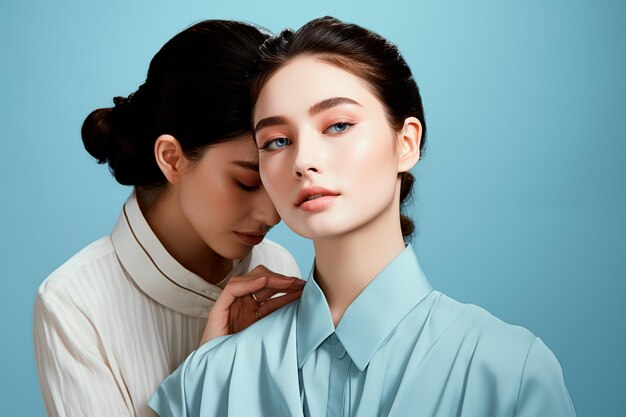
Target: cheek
[[208, 198], [277, 179], [366, 163], [195, 202]]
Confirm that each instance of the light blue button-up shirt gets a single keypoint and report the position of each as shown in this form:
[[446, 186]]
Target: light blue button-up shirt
[[401, 349]]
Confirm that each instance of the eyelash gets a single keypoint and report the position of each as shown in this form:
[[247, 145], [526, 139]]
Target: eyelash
[[347, 125], [269, 142], [247, 188]]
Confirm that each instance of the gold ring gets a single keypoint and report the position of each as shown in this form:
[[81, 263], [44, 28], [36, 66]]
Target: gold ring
[[258, 315], [256, 300]]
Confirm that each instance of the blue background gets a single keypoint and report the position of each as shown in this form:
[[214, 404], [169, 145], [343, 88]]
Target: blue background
[[521, 198]]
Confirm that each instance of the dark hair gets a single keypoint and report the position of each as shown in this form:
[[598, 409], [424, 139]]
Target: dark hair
[[363, 53], [196, 90]]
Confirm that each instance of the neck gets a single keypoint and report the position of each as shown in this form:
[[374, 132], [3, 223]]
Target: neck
[[346, 264], [166, 219]]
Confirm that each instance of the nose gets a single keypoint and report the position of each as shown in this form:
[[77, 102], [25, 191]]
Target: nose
[[308, 160], [264, 211]]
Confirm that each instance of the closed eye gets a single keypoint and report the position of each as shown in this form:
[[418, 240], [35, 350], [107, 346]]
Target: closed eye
[[339, 127], [245, 187]]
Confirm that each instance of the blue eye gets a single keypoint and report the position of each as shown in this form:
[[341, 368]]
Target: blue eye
[[338, 127], [275, 144]]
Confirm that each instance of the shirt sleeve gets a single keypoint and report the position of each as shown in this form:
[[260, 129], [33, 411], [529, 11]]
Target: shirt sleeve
[[169, 400], [181, 394], [74, 376], [542, 390]]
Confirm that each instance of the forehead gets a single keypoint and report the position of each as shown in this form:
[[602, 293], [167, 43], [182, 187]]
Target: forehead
[[305, 81], [240, 149]]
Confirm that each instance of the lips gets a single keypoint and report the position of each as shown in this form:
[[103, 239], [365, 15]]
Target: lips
[[250, 238], [315, 198], [312, 193]]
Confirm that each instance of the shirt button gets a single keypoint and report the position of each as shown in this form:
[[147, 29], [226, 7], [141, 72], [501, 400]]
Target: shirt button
[[340, 351]]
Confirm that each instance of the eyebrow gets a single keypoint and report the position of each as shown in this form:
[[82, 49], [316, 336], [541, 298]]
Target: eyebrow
[[313, 110], [253, 166], [329, 103], [270, 121]]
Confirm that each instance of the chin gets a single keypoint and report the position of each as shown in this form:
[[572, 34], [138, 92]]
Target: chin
[[318, 231], [234, 251]]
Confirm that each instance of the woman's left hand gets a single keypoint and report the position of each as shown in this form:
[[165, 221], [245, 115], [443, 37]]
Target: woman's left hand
[[248, 298]]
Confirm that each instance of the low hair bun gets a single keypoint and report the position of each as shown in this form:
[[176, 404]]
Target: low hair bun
[[113, 135], [195, 91], [406, 189], [96, 134], [407, 226], [406, 185]]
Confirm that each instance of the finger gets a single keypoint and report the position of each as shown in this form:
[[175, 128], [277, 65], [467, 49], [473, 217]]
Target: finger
[[284, 283], [265, 294], [263, 270], [243, 288], [274, 304], [246, 278], [278, 285], [235, 290], [257, 273]]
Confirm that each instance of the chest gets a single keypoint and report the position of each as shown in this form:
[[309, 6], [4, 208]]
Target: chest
[[404, 379]]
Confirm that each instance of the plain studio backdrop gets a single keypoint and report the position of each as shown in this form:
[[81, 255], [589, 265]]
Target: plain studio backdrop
[[520, 200]]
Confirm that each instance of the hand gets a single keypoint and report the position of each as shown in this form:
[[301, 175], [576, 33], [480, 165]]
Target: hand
[[236, 308]]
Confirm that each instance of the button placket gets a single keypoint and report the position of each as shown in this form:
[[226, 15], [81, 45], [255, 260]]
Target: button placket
[[339, 350]]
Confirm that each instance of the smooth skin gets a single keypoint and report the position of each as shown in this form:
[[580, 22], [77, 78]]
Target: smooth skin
[[334, 134], [214, 210]]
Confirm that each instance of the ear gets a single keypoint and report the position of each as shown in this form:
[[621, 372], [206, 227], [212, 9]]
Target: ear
[[170, 158], [409, 140]]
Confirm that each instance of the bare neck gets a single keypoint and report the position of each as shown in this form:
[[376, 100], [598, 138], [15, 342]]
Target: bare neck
[[177, 235], [346, 264]]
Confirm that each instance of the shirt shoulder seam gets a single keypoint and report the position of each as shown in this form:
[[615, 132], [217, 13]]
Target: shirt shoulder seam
[[67, 271], [519, 388]]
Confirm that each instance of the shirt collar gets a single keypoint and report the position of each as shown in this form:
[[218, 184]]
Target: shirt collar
[[155, 271], [367, 322]]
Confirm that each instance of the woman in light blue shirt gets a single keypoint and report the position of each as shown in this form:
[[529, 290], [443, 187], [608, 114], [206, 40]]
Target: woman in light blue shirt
[[339, 123]]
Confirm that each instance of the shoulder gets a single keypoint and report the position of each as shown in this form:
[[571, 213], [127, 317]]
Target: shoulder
[[275, 257], [78, 267], [507, 352], [542, 388], [503, 355], [496, 348], [478, 324], [270, 332], [261, 345], [82, 278], [250, 364]]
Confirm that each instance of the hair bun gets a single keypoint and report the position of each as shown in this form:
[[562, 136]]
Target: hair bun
[[112, 135], [96, 133]]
